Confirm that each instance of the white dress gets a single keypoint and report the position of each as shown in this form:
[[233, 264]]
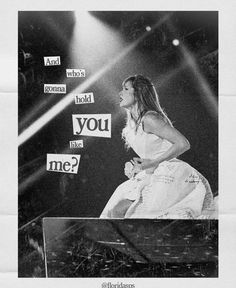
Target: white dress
[[174, 191]]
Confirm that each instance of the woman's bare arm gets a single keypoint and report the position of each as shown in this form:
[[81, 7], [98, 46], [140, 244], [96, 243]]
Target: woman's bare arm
[[152, 123]]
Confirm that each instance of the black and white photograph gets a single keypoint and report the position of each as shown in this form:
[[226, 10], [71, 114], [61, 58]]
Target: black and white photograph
[[118, 144]]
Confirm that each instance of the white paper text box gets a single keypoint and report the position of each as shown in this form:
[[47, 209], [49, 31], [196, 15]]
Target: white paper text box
[[52, 60], [84, 98], [55, 88], [73, 73], [97, 125], [64, 163]]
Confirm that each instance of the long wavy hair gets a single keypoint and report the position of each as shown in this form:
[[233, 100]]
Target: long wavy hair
[[147, 100]]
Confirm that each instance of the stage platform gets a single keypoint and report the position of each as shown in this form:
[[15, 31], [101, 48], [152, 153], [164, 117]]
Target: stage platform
[[92, 247]]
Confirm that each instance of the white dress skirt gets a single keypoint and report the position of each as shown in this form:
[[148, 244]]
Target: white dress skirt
[[174, 191]]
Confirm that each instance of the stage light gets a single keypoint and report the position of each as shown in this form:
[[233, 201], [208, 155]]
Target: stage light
[[175, 42], [207, 95], [148, 28], [93, 42]]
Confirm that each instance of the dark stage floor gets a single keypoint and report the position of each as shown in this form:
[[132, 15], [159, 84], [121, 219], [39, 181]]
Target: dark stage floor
[[80, 247]]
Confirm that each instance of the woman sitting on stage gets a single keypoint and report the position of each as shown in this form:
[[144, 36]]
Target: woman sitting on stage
[[160, 185]]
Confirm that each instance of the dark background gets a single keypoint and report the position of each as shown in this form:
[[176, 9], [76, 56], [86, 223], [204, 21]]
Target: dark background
[[102, 159]]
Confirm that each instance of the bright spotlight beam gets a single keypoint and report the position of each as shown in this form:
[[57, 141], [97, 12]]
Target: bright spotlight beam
[[60, 106], [208, 96], [56, 31], [31, 179]]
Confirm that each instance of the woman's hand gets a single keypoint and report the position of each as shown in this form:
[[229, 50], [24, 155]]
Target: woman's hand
[[128, 169], [146, 164], [131, 169]]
